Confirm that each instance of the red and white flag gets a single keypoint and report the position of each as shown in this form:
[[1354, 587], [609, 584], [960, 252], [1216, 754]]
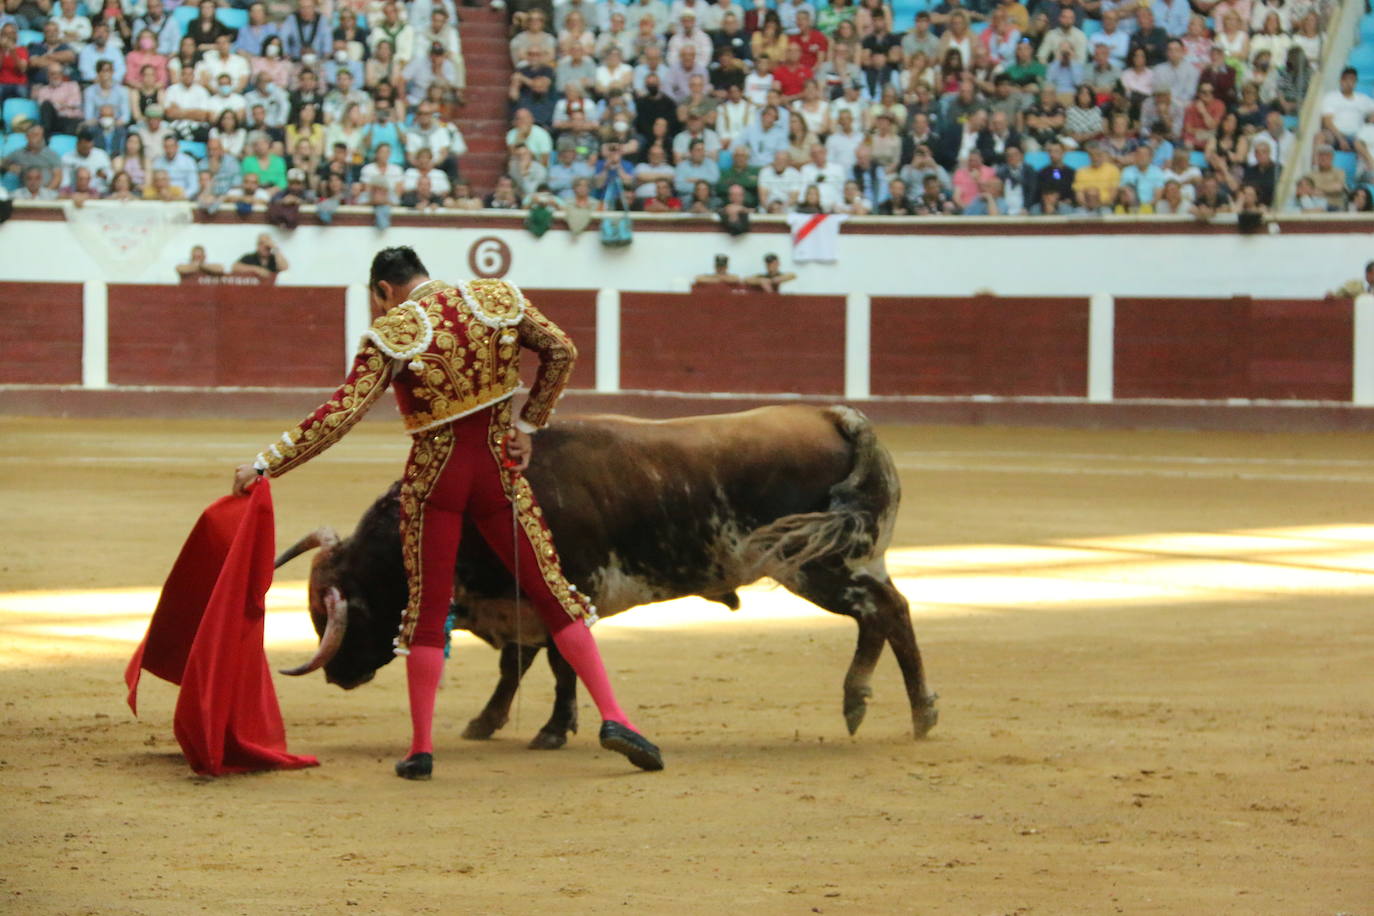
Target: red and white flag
[[815, 236]]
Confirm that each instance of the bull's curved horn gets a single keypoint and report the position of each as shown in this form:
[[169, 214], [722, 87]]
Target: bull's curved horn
[[336, 608], [324, 536]]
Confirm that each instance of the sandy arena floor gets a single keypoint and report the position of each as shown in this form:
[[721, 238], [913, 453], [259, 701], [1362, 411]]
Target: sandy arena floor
[[1153, 653]]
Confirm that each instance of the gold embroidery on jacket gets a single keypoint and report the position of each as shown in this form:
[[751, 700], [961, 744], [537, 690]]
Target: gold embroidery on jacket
[[428, 456]]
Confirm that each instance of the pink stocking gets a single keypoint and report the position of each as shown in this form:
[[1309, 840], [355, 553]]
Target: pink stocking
[[576, 644], [424, 667]]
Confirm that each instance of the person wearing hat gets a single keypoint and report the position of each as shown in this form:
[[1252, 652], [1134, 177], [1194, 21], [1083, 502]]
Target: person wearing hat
[[90, 157], [772, 278], [432, 69]]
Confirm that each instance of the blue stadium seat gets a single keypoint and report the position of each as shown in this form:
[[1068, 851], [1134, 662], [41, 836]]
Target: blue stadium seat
[[9, 181], [1077, 159], [13, 142], [1091, 27], [184, 14], [1362, 59], [1290, 122], [1367, 27], [1347, 162], [62, 144], [1198, 158], [193, 149], [231, 17], [1037, 159], [28, 37], [978, 28], [15, 108], [723, 159]]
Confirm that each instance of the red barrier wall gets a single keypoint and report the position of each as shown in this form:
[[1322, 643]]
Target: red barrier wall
[[717, 340], [41, 333], [226, 335], [1234, 348], [573, 310], [984, 345]]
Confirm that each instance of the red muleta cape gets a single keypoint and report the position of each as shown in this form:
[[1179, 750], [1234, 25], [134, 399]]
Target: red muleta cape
[[206, 635]]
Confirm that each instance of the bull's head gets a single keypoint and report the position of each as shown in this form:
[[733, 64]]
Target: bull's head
[[355, 640]]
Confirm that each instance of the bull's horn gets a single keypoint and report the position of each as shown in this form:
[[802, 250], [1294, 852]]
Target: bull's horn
[[323, 536], [336, 623]]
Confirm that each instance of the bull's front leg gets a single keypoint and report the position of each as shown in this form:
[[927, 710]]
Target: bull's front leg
[[515, 661], [554, 734]]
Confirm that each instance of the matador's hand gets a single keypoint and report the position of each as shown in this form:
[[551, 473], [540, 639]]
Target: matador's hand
[[519, 448], [245, 475]]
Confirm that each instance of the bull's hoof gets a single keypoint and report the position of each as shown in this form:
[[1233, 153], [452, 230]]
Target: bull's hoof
[[856, 707], [480, 729], [548, 741], [924, 717]]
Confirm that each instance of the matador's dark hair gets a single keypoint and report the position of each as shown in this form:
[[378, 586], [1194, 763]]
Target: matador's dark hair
[[396, 266]]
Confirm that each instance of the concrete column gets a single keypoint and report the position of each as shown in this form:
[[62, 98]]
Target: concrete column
[[1101, 346], [357, 319], [1363, 388], [858, 350], [608, 340], [95, 335]]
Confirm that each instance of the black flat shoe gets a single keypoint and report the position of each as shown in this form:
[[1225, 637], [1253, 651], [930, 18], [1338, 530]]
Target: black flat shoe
[[642, 752], [416, 766]]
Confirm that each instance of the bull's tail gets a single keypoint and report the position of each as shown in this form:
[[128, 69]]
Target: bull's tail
[[856, 526]]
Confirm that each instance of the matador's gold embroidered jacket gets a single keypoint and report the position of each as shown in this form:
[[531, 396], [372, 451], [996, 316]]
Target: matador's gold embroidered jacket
[[449, 351]]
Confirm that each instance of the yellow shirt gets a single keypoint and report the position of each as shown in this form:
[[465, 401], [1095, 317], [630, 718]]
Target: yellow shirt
[[1105, 178]]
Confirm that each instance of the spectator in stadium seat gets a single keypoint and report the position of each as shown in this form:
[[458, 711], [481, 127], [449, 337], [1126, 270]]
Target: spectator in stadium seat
[[59, 102], [696, 130], [1172, 15], [526, 174], [433, 69], [75, 28], [104, 92], [161, 188], [826, 176], [613, 75], [695, 167], [1171, 200], [180, 168], [1065, 34], [565, 170], [248, 194], [532, 88], [534, 36], [392, 28], [221, 60], [780, 184], [1328, 178], [1344, 110], [700, 101], [32, 187], [922, 165], [1219, 73], [1056, 176], [1263, 176], [1307, 199], [677, 83], [1112, 37], [275, 102], [1176, 74], [741, 173], [898, 202], [14, 64], [222, 166], [526, 132], [1161, 116], [1212, 198], [575, 68], [1102, 174], [262, 162], [934, 200], [969, 177], [1149, 36], [91, 158], [35, 154], [1018, 182], [619, 35], [444, 141], [663, 199], [764, 138], [187, 106], [1143, 177], [381, 173], [305, 34], [250, 38], [1202, 118], [51, 49]]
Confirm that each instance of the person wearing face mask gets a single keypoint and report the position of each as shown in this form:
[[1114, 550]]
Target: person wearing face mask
[[273, 100], [273, 64], [145, 55], [306, 35], [226, 99], [165, 29], [103, 92], [340, 63], [222, 61], [251, 37]]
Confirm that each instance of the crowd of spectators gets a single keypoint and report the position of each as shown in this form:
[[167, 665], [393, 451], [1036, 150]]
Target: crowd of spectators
[[979, 107]]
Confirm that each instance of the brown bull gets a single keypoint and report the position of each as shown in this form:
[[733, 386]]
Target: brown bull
[[647, 511]]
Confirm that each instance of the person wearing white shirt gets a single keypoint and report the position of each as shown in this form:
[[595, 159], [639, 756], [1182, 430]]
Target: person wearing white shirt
[[396, 30], [825, 175], [424, 168], [1344, 110], [226, 99], [733, 115], [706, 15], [90, 157], [780, 184], [852, 101], [187, 103], [614, 73], [1280, 139], [843, 143], [222, 61], [758, 82], [441, 31], [75, 28], [388, 176], [445, 142], [689, 32], [617, 34]]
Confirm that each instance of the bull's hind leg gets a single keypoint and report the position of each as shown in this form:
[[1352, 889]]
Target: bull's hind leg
[[883, 616], [515, 661], [554, 734]]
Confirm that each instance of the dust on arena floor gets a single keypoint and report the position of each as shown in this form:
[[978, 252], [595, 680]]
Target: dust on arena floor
[[1152, 651]]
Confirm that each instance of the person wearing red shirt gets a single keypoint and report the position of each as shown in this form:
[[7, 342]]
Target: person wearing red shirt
[[14, 64], [790, 77], [663, 200], [813, 44]]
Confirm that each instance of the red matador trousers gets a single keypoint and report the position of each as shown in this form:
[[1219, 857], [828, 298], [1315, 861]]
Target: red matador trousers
[[456, 470]]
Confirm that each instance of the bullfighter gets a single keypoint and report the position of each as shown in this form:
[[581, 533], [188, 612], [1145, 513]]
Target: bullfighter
[[452, 354]]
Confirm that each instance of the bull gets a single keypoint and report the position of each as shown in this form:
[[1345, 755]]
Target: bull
[[646, 511]]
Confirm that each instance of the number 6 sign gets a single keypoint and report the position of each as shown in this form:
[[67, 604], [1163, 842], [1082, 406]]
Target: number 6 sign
[[489, 257]]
